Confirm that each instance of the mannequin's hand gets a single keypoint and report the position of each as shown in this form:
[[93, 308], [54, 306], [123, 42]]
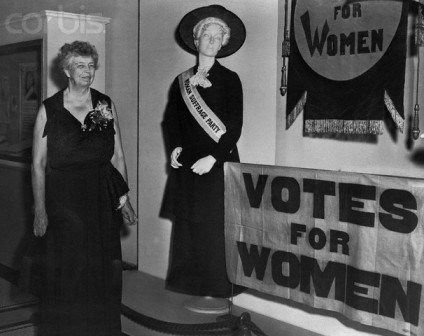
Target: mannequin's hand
[[203, 165], [174, 157]]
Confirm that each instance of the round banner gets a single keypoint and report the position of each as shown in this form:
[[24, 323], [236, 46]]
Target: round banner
[[341, 40]]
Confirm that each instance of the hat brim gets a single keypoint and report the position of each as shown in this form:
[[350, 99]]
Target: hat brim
[[238, 30]]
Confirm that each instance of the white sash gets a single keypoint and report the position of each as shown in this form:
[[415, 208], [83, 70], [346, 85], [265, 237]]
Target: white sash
[[212, 125]]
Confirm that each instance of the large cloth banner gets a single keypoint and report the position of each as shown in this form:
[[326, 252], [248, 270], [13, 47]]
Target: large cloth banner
[[345, 242], [347, 65]]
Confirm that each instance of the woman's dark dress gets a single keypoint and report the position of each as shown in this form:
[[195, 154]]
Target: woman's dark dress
[[198, 247], [82, 293]]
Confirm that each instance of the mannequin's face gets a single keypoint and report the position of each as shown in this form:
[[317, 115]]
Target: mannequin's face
[[210, 41]]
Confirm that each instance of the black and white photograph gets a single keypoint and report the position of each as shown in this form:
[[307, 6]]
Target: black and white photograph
[[212, 167]]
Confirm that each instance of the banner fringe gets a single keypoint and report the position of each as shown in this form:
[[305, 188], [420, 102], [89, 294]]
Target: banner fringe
[[397, 118], [290, 119], [344, 126]]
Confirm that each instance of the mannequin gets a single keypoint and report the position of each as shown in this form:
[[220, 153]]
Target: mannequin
[[204, 121]]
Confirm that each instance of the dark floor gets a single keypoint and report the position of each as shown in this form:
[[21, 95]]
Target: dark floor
[[16, 310], [146, 294]]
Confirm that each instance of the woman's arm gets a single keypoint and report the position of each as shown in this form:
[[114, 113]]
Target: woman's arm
[[38, 173], [118, 161]]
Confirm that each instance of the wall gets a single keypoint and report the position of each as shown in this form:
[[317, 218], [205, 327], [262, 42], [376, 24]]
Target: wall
[[264, 139], [120, 68]]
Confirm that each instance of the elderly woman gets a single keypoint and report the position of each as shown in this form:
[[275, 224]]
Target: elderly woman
[[203, 122], [79, 185]]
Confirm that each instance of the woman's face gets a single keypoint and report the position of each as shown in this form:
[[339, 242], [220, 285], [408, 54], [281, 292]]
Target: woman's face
[[210, 41], [81, 70]]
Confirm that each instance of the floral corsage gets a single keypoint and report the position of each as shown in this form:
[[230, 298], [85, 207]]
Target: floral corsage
[[200, 78], [99, 118]]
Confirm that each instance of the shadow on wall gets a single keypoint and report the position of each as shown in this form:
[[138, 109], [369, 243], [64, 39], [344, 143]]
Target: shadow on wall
[[56, 74]]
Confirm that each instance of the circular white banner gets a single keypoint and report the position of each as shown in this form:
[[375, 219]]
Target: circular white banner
[[342, 41]]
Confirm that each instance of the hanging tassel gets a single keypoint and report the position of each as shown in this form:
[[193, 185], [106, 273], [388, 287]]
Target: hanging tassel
[[285, 51], [416, 122], [420, 43], [283, 87]]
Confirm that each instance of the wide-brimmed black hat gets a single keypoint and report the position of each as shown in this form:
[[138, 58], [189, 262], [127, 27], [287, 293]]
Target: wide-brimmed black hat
[[238, 31]]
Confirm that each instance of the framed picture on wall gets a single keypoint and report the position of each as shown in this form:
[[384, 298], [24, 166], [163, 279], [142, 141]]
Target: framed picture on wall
[[20, 97], [29, 94], [4, 106]]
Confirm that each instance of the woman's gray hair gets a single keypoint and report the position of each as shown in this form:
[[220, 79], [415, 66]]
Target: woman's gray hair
[[200, 27], [77, 48]]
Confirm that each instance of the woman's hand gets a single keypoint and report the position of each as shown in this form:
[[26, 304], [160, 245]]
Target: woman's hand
[[40, 223], [128, 214], [203, 165], [174, 157]]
